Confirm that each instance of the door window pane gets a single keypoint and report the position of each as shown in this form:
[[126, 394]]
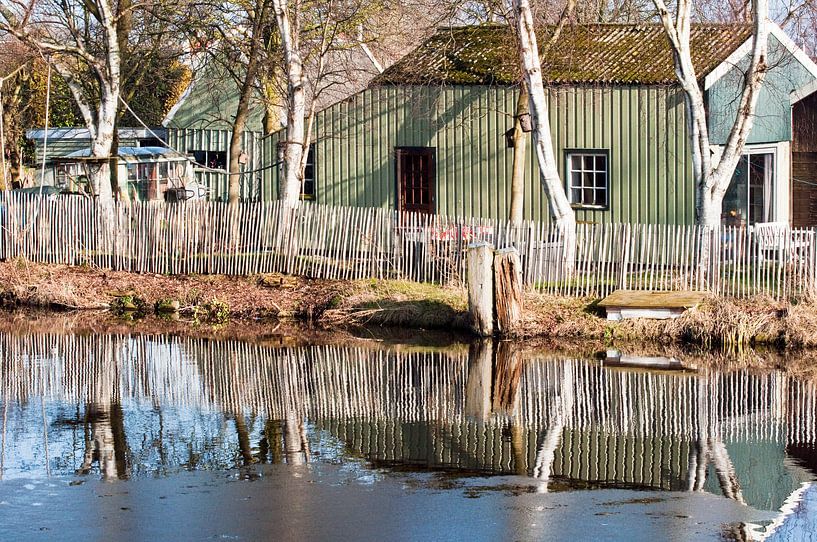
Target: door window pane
[[750, 196], [416, 177]]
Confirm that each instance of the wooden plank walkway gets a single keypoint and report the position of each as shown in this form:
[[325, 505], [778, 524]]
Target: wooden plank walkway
[[623, 304]]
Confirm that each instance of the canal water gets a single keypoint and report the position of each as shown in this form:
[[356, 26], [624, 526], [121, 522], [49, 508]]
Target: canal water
[[115, 437]]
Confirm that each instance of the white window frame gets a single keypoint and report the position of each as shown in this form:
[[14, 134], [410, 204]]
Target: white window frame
[[781, 151], [569, 154]]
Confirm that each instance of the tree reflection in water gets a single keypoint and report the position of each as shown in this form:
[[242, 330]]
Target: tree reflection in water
[[118, 407]]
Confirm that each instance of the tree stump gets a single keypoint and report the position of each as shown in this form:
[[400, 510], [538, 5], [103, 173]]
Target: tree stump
[[480, 281], [508, 290]]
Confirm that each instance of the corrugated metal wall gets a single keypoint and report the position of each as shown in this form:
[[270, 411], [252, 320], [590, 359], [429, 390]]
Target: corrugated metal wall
[[642, 127], [189, 140]]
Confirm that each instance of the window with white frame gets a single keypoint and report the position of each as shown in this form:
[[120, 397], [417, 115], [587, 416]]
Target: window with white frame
[[588, 178]]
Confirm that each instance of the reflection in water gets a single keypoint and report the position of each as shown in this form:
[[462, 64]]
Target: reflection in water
[[130, 406]]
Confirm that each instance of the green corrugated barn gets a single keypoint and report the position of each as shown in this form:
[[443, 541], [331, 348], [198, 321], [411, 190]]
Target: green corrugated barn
[[429, 133]]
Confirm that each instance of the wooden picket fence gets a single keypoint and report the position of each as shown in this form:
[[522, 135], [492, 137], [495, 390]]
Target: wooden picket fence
[[319, 241]]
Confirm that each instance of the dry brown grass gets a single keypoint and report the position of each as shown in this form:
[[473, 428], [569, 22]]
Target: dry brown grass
[[724, 322], [551, 316], [801, 324], [399, 304], [716, 323]]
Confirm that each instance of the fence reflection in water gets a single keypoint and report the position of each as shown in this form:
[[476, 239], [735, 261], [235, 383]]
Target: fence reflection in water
[[139, 405]]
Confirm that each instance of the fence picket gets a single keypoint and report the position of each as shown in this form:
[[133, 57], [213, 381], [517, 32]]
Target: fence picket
[[359, 243]]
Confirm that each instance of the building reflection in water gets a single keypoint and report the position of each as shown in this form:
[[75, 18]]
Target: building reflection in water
[[121, 406]]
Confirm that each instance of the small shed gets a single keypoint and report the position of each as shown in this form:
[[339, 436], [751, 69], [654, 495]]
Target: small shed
[[429, 133], [146, 173]]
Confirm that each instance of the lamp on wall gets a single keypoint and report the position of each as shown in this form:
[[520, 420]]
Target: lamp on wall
[[525, 122]]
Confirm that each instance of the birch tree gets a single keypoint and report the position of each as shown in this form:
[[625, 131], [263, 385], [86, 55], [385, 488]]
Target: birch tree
[[317, 43], [542, 142], [80, 40], [712, 174], [296, 141], [523, 108]]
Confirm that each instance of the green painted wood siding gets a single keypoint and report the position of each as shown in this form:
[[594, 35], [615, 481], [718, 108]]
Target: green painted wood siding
[[643, 128], [773, 119]]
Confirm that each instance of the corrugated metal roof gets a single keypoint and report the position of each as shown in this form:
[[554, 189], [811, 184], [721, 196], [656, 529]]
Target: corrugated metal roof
[[598, 53], [138, 154], [83, 133]]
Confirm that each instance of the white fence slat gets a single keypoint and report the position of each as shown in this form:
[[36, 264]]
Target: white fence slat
[[358, 243]]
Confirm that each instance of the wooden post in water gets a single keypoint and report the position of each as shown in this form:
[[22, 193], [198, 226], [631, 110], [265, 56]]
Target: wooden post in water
[[478, 385], [508, 289], [480, 280]]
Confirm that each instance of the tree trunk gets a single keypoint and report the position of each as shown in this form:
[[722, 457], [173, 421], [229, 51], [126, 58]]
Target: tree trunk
[[234, 165], [520, 143], [713, 174], [4, 180], [99, 170], [270, 120], [543, 144], [243, 110], [292, 178]]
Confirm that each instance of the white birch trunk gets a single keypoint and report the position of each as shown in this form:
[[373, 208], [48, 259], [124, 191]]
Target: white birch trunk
[[294, 151], [542, 142], [109, 81], [712, 175]]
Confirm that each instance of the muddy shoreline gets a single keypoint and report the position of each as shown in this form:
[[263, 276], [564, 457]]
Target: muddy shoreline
[[305, 310]]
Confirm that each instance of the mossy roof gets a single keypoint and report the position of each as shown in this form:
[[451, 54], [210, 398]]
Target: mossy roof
[[598, 53]]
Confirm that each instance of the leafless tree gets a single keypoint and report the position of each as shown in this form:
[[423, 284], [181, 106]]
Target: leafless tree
[[331, 45], [713, 173], [522, 109], [543, 145], [102, 50], [80, 40], [234, 37]]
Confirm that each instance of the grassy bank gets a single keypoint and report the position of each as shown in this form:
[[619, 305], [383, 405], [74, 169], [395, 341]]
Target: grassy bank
[[269, 300]]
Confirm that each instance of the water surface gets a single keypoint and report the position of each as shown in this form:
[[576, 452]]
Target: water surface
[[170, 438]]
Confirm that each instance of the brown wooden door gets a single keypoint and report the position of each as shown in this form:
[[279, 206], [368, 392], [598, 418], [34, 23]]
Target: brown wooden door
[[416, 179], [804, 189]]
